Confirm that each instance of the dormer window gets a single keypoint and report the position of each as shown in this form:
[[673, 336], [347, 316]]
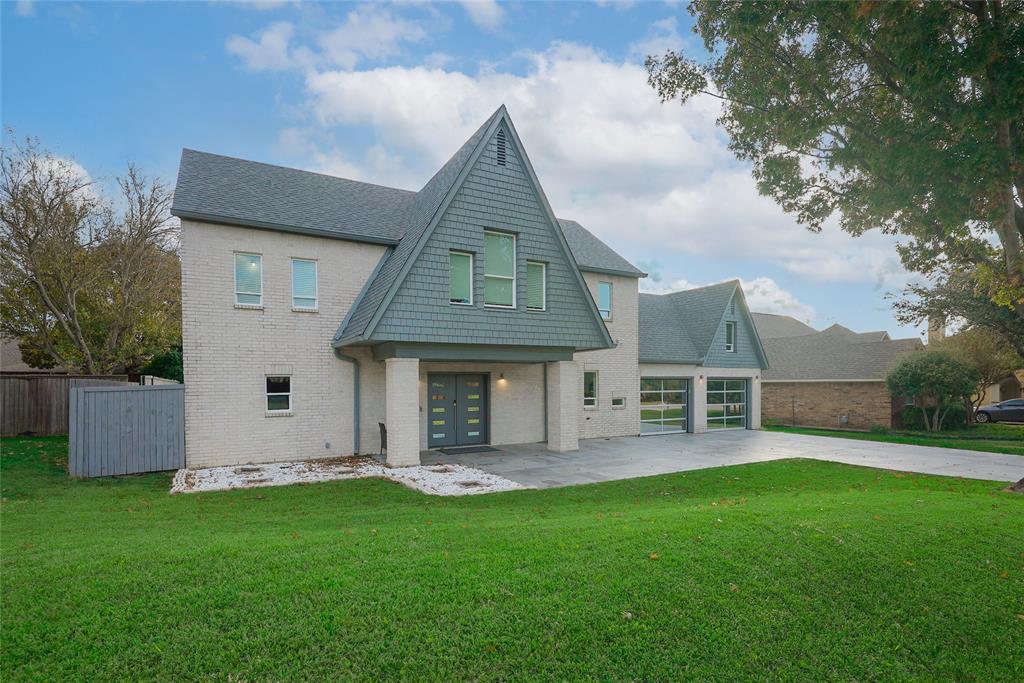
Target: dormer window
[[730, 337]]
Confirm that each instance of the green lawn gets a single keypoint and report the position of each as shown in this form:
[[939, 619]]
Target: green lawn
[[990, 438], [798, 570]]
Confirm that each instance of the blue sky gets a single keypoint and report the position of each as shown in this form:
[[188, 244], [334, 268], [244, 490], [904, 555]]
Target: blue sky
[[385, 93]]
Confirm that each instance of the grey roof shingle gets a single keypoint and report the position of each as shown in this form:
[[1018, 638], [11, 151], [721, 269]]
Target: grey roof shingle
[[834, 354], [219, 188], [679, 327], [593, 254], [773, 326]]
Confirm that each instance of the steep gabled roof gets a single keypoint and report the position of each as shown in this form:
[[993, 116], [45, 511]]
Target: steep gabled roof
[[774, 326], [428, 208], [594, 255], [680, 327]]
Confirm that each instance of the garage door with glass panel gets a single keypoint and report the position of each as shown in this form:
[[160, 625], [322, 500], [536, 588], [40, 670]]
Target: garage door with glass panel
[[663, 405], [727, 404]]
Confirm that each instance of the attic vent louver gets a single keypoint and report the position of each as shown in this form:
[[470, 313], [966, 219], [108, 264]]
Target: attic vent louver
[[500, 144]]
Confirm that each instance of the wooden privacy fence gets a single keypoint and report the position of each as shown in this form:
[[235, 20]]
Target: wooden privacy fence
[[39, 404], [128, 429]]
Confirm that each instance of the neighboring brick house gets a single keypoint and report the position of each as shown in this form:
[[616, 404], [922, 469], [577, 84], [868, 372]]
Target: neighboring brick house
[[315, 308], [832, 378]]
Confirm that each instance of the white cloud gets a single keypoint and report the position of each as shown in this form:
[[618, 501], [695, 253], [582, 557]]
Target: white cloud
[[369, 32], [484, 13], [639, 173], [764, 295], [271, 51], [25, 8], [662, 36]]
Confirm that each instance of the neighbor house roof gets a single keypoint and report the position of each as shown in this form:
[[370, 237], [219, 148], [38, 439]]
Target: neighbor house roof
[[680, 327], [773, 326], [836, 353]]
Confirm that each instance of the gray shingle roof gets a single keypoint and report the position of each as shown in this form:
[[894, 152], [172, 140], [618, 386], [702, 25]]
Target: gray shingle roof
[[224, 189], [680, 327], [593, 254], [834, 354], [773, 326]]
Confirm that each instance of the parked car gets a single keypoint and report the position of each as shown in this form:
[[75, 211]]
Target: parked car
[[1004, 411]]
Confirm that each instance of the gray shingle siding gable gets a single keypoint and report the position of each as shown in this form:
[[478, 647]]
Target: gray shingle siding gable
[[745, 355], [502, 198]]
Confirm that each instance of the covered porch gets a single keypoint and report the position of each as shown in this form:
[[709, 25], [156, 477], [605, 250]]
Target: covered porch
[[440, 396]]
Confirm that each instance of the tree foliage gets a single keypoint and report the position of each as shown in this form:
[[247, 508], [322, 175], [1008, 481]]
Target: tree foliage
[[937, 379], [906, 117], [987, 353], [85, 283]]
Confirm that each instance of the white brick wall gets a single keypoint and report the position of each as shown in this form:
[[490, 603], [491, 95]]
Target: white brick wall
[[228, 351], [617, 368]]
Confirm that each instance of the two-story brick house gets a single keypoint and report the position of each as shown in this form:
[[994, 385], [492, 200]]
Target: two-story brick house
[[316, 308]]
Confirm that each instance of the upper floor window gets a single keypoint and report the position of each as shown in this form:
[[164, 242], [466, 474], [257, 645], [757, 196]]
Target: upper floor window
[[604, 299], [460, 277], [248, 279], [500, 269], [303, 284], [536, 286], [730, 336]]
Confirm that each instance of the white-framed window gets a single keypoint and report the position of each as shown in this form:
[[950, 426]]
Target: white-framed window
[[460, 278], [604, 299], [304, 285], [248, 279], [279, 393], [730, 337], [536, 286], [499, 269], [618, 401], [590, 389]]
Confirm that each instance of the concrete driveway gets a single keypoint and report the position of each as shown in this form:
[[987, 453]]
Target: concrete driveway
[[631, 456]]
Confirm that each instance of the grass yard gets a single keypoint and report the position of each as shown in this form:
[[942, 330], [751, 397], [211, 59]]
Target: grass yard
[[990, 438], [798, 570]]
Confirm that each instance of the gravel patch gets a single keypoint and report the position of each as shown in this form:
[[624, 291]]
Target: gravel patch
[[444, 480]]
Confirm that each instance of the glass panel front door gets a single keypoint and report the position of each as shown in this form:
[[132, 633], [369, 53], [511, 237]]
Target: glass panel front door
[[727, 404], [457, 406]]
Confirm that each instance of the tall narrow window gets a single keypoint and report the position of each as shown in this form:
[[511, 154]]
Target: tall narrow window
[[249, 279], [279, 394], [730, 337], [499, 269], [589, 389], [460, 278], [604, 299], [303, 284], [536, 286]]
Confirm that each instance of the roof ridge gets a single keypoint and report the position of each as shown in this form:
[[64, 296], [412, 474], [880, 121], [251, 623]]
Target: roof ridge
[[296, 170]]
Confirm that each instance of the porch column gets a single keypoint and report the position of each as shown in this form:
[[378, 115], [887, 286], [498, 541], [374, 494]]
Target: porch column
[[402, 391], [754, 402], [563, 406]]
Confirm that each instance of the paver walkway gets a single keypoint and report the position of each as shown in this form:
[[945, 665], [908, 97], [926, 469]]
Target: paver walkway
[[628, 457]]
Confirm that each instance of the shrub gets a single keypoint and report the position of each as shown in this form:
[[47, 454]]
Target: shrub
[[878, 429], [956, 418], [942, 381]]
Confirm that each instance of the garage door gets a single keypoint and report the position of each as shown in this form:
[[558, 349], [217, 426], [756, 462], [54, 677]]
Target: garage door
[[663, 405], [727, 404]]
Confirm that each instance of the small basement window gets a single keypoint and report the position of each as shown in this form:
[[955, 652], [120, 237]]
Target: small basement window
[[279, 394], [618, 402]]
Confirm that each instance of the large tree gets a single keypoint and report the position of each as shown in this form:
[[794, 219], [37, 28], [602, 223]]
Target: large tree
[[906, 117], [86, 283]]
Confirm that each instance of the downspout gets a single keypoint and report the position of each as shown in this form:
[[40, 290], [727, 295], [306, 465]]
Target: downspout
[[355, 396]]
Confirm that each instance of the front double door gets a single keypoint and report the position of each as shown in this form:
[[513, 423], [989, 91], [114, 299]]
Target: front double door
[[457, 410]]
